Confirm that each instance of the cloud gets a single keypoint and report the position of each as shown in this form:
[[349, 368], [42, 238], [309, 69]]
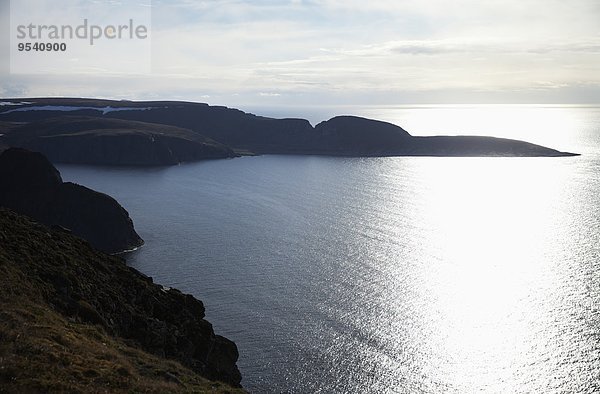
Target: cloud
[[328, 48]]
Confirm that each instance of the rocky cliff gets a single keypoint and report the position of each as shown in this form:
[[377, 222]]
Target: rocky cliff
[[73, 319], [30, 185], [107, 141]]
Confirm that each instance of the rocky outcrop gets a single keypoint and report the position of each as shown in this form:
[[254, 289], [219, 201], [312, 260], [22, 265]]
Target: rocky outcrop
[[352, 135], [31, 185], [43, 268]]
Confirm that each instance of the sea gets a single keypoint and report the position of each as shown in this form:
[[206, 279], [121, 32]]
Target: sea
[[389, 275]]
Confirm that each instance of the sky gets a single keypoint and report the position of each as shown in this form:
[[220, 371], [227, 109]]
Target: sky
[[341, 52]]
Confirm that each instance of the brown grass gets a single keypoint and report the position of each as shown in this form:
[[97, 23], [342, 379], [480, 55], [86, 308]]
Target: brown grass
[[42, 350]]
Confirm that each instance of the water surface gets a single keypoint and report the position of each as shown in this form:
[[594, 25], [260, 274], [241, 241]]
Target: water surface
[[380, 275]]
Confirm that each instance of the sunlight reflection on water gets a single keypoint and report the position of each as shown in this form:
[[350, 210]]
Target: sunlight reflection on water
[[389, 274], [491, 273]]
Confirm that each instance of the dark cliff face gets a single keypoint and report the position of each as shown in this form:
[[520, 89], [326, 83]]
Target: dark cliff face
[[232, 127], [360, 136], [106, 141], [42, 266], [30, 185], [27, 171]]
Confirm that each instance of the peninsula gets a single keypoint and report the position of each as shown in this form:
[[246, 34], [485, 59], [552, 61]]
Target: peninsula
[[93, 131]]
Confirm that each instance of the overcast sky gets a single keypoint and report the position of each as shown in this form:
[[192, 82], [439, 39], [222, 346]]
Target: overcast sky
[[324, 52]]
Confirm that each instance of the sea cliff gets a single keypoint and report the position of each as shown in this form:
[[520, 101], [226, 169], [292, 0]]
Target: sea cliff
[[31, 185], [74, 319]]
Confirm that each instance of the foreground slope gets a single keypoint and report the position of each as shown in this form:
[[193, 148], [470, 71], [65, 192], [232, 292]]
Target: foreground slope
[[245, 132], [75, 319]]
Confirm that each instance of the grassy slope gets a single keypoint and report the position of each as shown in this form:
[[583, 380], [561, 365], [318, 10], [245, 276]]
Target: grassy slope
[[42, 350]]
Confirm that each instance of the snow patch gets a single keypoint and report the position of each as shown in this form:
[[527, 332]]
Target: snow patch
[[5, 103], [65, 108]]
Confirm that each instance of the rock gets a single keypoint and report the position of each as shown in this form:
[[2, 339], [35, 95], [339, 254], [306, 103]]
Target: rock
[[31, 185], [352, 135], [27, 171]]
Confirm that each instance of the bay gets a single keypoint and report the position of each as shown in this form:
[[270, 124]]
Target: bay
[[416, 275]]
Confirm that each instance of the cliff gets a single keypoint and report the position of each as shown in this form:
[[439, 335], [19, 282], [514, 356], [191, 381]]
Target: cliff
[[73, 319], [30, 185], [106, 141], [352, 135], [245, 132]]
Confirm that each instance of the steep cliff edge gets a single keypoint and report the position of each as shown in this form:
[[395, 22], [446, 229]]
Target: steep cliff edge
[[30, 185], [75, 319], [106, 141]]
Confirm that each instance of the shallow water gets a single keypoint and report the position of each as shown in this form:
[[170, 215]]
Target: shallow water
[[389, 274]]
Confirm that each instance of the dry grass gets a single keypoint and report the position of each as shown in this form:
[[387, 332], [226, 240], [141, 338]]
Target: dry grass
[[42, 350]]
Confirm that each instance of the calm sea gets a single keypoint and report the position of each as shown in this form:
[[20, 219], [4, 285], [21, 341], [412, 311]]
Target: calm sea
[[399, 275]]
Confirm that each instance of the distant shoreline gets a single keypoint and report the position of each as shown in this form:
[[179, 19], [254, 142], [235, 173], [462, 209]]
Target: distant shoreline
[[151, 133]]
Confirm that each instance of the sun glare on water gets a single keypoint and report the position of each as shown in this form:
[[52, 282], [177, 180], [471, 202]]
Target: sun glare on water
[[495, 297]]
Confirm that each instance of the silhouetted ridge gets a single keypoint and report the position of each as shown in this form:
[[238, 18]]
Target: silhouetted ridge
[[243, 133], [27, 171], [360, 136]]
